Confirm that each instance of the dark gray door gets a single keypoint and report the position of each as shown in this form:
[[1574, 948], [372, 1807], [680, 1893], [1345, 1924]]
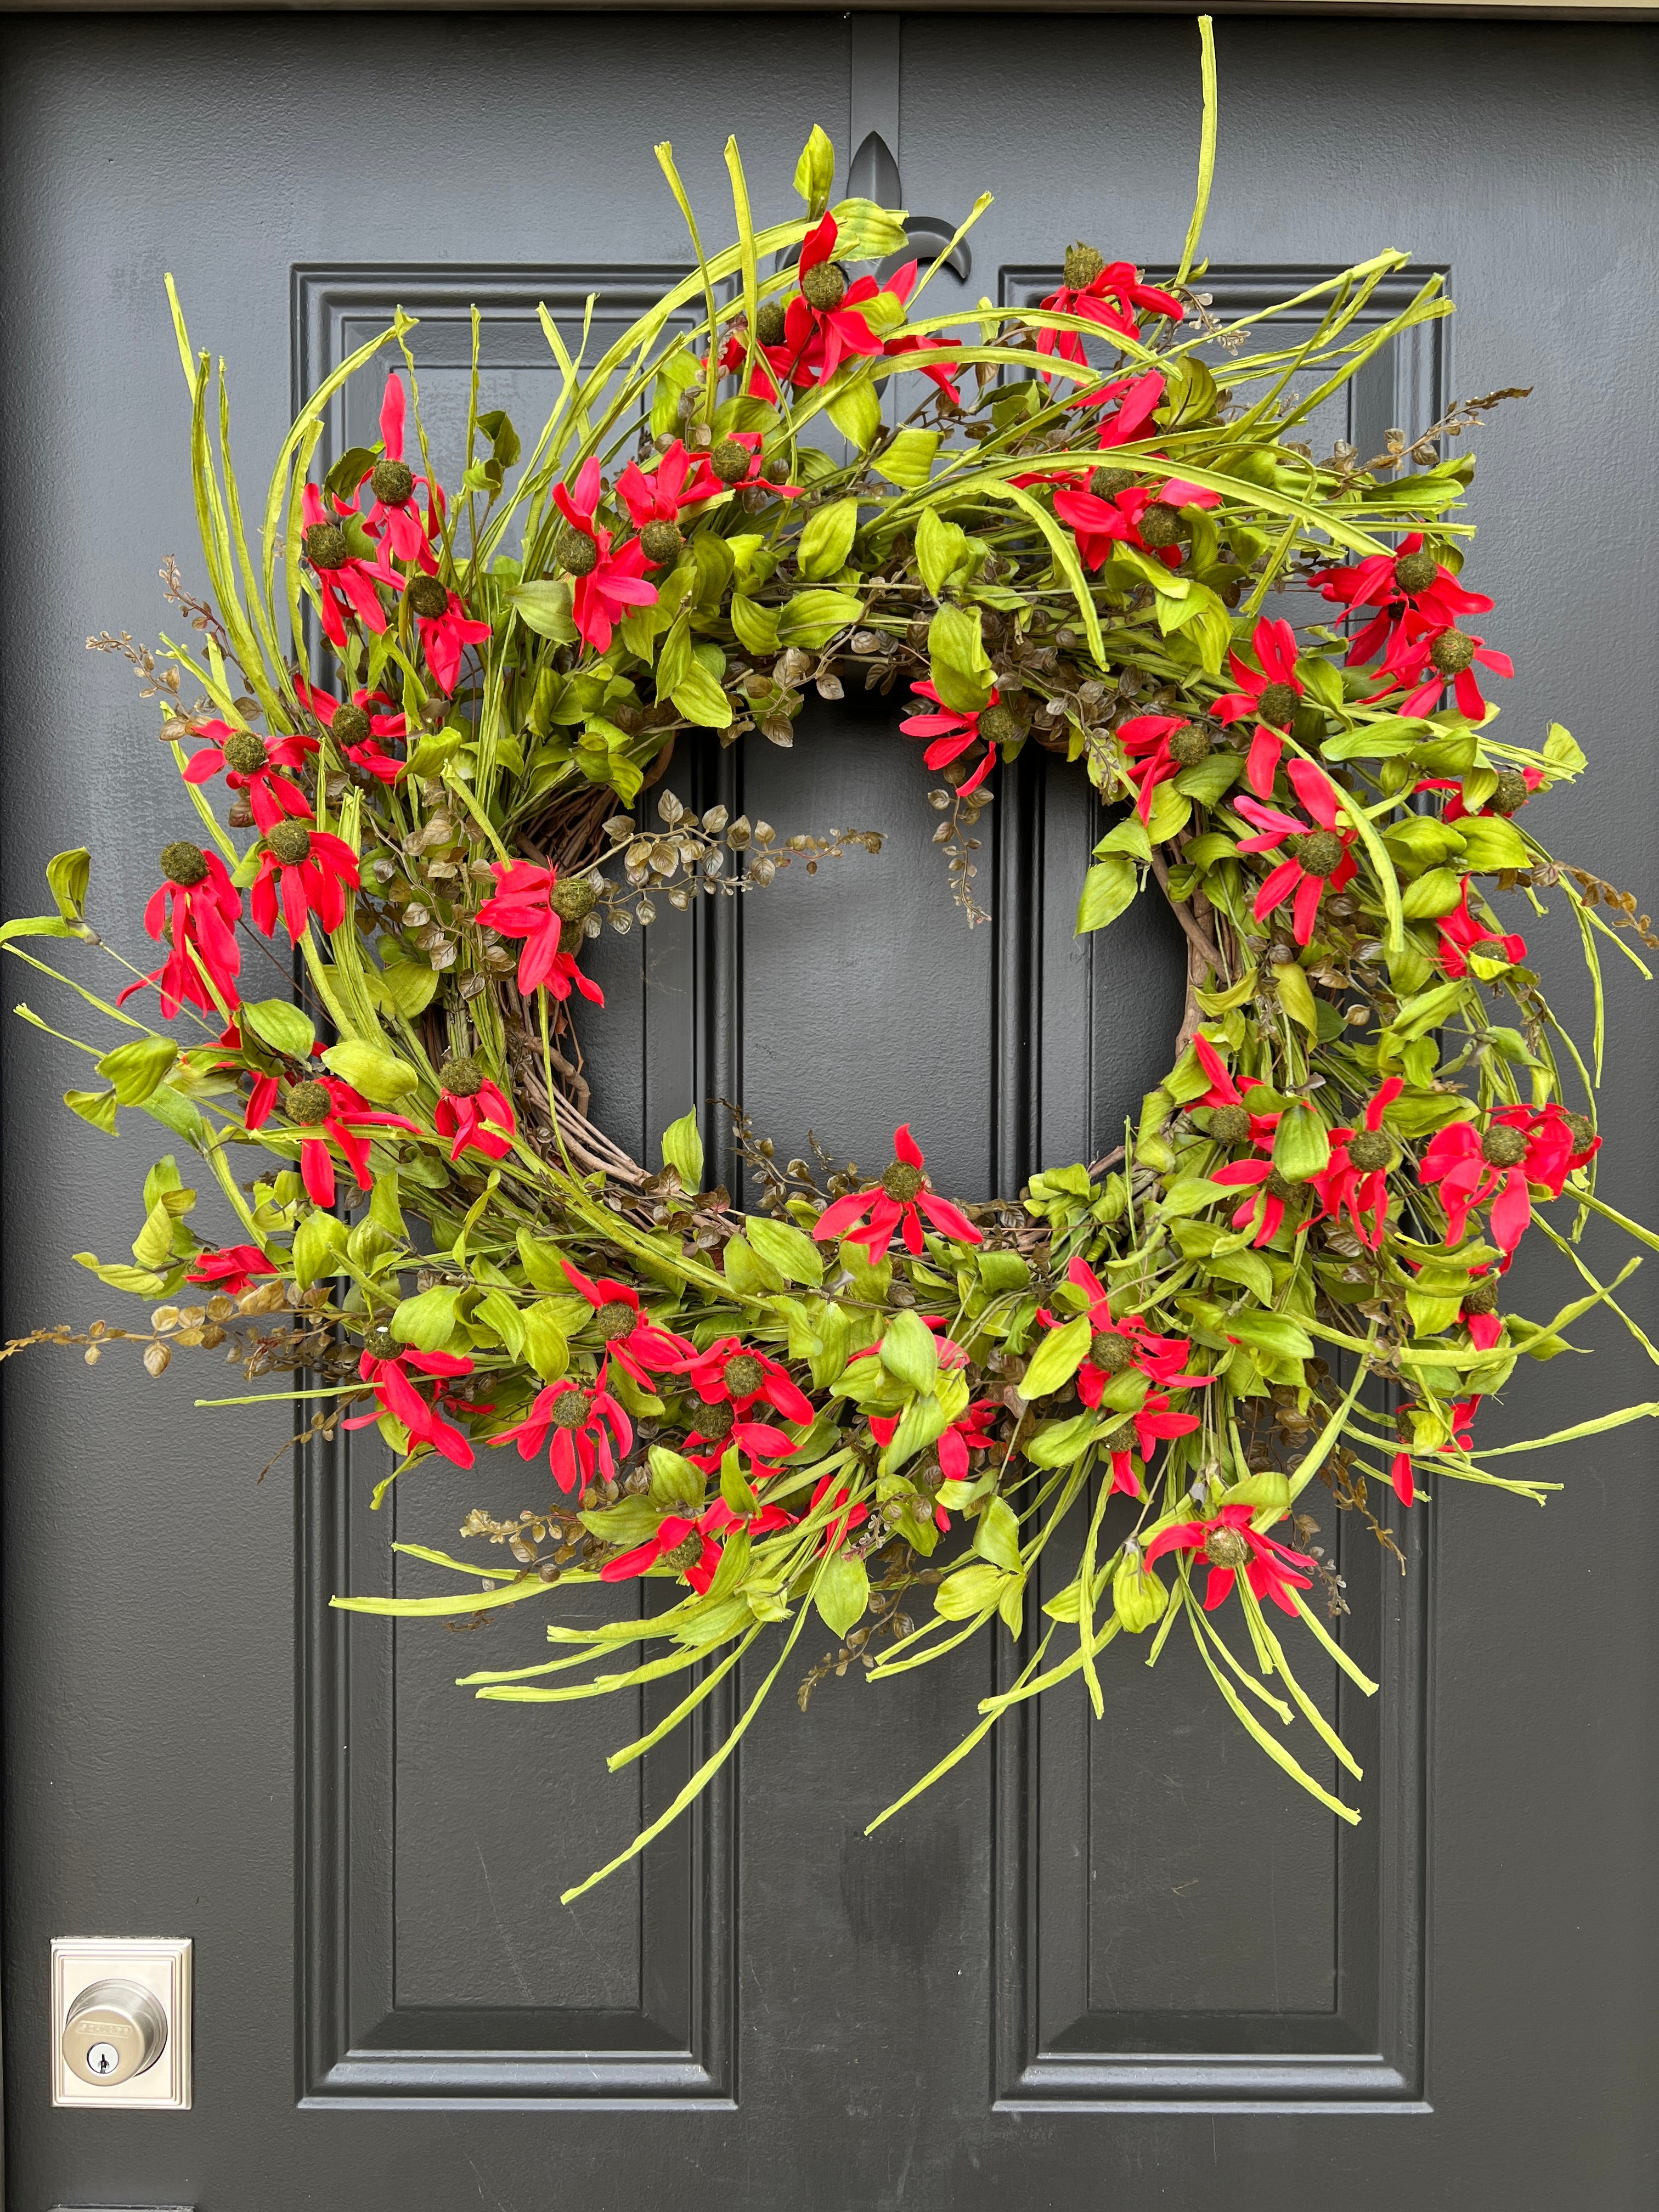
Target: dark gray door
[[1045, 1985]]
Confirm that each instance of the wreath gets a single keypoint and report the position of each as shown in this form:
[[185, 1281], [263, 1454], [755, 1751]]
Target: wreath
[[864, 1402]]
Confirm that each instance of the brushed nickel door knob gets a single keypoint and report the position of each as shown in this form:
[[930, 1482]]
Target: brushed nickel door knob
[[115, 2030]]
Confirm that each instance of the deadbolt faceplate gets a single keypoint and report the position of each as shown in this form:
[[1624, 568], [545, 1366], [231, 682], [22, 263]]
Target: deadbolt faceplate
[[121, 2022]]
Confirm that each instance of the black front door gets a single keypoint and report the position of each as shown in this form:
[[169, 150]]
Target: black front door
[[1044, 1984]]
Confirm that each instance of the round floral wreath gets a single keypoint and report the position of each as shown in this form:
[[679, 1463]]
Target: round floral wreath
[[864, 1401]]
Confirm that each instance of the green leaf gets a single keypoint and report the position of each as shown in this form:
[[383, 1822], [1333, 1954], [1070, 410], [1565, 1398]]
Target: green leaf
[[630, 1521], [910, 1350], [996, 1535], [676, 1486], [1059, 1443], [320, 1244], [787, 1248], [496, 1315], [97, 1107], [67, 876], [137, 1069], [842, 1596], [908, 459], [1108, 887], [427, 1322], [969, 1591], [143, 1282], [943, 550], [544, 606], [748, 1274], [1270, 1332], [755, 626], [699, 697], [281, 1024], [735, 1489], [1562, 751], [1431, 894], [38, 925], [1301, 1143], [963, 675], [543, 1348], [1490, 843], [815, 172], [827, 539], [1296, 995], [682, 1150], [402, 986], [1057, 1358], [866, 232], [812, 617], [855, 408], [381, 1076]]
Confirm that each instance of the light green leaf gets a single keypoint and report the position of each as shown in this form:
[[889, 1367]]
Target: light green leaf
[[427, 1322], [67, 876], [97, 1107], [544, 606], [787, 1248], [1057, 1358], [827, 539], [699, 697], [281, 1024], [682, 1150], [381, 1076], [842, 1596], [320, 1244], [996, 1535], [812, 617], [907, 460], [910, 1350], [855, 408], [1108, 888], [962, 672], [137, 1068]]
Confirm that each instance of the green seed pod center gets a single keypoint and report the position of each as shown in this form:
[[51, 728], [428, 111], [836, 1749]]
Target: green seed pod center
[[308, 1105], [291, 843], [1123, 1438], [615, 1318], [1511, 792], [244, 754], [661, 540], [576, 552], [769, 323], [1503, 1148], [1104, 482], [1083, 265], [1481, 1296], [1452, 652], [381, 1344], [428, 596], [998, 726], [902, 1182], [1229, 1125], [1584, 1133], [1111, 1352], [1415, 572], [1159, 525], [1320, 851], [742, 1374], [349, 725], [461, 1076], [1228, 1547], [715, 1421], [570, 1409], [572, 898], [730, 461], [685, 1553], [1370, 1148], [1278, 704], [392, 483], [825, 287], [325, 545], [1276, 1186], [1189, 746], [183, 863]]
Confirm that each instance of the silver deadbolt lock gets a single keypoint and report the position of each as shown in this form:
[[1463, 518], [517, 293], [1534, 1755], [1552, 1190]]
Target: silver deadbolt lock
[[121, 2024], [115, 2030]]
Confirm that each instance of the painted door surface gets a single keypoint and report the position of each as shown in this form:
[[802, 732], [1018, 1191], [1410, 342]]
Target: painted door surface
[[1050, 1982]]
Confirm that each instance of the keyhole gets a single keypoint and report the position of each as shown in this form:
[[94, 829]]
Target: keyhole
[[103, 2058]]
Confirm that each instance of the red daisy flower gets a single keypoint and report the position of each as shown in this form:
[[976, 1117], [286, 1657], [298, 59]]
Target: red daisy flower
[[1272, 692], [1460, 934], [604, 585], [1224, 1092], [821, 325], [970, 1433], [250, 763], [1429, 656], [952, 733], [1457, 808], [1521, 1146], [1320, 859], [394, 515], [230, 1269], [347, 584], [869, 1217], [204, 907], [329, 1111], [691, 1548], [1406, 582], [473, 1110], [387, 1371], [1228, 1543], [1106, 293], [1269, 1195], [1147, 740], [445, 627], [730, 1374], [584, 1423], [358, 726], [663, 494], [314, 869], [530, 903], [639, 1347], [1357, 1176]]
